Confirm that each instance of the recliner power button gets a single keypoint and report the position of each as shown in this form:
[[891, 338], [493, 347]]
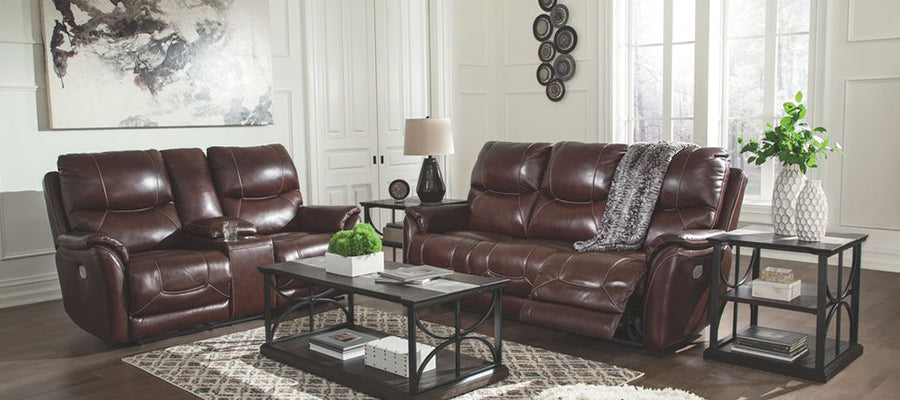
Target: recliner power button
[[82, 272], [698, 271]]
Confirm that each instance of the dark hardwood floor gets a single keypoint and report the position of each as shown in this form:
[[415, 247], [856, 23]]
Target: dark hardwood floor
[[43, 355]]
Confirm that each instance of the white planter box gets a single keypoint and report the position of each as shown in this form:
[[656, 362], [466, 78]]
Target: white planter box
[[354, 266], [390, 354]]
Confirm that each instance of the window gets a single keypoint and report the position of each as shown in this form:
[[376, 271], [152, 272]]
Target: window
[[661, 70], [766, 61], [752, 56]]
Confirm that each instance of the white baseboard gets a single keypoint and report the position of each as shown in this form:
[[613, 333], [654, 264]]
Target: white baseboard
[[28, 290]]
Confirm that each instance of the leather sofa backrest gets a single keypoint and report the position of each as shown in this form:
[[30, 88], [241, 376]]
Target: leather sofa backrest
[[574, 190], [504, 187], [192, 185], [256, 184], [125, 194], [692, 193]]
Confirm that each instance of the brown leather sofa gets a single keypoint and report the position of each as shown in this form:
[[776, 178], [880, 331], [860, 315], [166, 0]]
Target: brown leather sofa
[[529, 202], [138, 235]]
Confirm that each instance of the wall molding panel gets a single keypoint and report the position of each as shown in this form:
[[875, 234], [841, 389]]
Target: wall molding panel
[[877, 20]]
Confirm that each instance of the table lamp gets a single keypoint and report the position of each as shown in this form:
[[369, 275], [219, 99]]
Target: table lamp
[[429, 137]]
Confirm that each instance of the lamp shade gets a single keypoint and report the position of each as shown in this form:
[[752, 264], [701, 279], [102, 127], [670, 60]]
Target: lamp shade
[[428, 137]]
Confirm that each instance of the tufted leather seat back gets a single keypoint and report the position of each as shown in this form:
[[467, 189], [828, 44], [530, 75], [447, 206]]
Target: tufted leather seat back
[[125, 194], [574, 190], [504, 188], [692, 192], [256, 184]]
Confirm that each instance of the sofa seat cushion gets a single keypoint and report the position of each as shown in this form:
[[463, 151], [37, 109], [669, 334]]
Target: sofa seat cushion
[[594, 281], [518, 260], [165, 281], [292, 246]]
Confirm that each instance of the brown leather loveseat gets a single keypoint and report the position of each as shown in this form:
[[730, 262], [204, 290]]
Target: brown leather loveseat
[[528, 204], [138, 235]]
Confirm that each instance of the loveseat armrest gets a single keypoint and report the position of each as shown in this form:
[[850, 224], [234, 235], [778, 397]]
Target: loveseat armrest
[[214, 228], [325, 219], [691, 239], [87, 240], [439, 219]]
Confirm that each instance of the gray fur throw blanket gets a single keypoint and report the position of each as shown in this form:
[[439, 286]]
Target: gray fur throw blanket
[[632, 197]]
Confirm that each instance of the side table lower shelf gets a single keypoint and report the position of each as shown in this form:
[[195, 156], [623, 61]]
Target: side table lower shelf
[[803, 368], [355, 374]]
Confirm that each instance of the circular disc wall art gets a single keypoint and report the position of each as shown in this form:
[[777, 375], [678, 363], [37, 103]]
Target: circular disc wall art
[[547, 5], [559, 15], [566, 39], [545, 73], [542, 27], [564, 67], [546, 51], [556, 90]]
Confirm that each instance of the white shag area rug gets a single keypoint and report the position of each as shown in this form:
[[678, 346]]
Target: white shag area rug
[[625, 392]]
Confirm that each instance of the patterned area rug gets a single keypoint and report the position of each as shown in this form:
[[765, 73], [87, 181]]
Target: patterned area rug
[[230, 367]]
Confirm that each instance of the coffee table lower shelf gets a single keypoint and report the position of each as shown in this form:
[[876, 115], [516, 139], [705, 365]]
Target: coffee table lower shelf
[[440, 383]]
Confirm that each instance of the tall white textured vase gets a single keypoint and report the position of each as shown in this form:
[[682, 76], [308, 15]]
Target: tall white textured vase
[[812, 212], [784, 199]]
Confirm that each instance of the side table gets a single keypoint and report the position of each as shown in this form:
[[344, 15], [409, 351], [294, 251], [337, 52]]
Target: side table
[[826, 356], [394, 206]]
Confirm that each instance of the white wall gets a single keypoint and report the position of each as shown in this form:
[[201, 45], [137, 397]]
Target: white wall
[[28, 149], [862, 111], [495, 94]]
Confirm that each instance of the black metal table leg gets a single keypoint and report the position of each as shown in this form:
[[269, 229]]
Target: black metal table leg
[[714, 278], [737, 282], [312, 305], [840, 289], [267, 306], [498, 326], [411, 338], [855, 272], [456, 324], [821, 299], [351, 314], [754, 264]]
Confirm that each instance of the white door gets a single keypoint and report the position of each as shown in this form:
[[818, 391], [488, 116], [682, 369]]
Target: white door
[[401, 36], [343, 116]]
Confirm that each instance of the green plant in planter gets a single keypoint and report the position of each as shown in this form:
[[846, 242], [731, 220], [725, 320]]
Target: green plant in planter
[[791, 141], [358, 241]]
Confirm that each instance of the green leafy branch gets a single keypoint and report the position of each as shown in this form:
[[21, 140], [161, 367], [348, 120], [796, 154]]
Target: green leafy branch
[[791, 141], [358, 241]]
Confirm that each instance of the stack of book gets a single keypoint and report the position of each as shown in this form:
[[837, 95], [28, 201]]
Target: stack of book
[[393, 232], [771, 343], [342, 344], [418, 274]]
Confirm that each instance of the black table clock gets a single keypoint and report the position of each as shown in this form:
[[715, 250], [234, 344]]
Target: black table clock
[[398, 189]]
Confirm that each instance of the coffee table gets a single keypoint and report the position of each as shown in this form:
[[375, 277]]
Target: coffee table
[[456, 373]]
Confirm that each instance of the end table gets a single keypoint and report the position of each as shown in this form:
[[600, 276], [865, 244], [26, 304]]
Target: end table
[[826, 356], [394, 206]]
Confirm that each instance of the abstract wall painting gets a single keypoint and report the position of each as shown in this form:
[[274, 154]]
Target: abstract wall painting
[[157, 63]]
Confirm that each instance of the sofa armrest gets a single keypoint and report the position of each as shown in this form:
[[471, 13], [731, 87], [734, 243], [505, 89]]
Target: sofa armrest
[[87, 240], [691, 239], [324, 219], [438, 219], [213, 228]]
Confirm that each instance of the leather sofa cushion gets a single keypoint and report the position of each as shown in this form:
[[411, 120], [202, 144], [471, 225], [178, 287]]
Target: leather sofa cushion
[[256, 184], [125, 194], [504, 186], [166, 281], [195, 194], [574, 190], [292, 246], [519, 260], [692, 192], [595, 281]]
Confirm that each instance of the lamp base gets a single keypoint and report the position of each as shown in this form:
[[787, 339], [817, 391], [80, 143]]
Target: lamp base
[[431, 187]]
